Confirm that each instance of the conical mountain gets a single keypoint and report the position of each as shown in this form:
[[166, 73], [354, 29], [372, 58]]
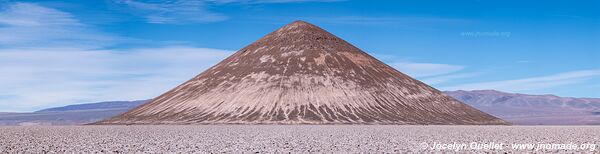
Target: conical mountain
[[302, 74]]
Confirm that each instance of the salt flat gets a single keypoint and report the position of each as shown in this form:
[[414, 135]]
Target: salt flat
[[295, 139]]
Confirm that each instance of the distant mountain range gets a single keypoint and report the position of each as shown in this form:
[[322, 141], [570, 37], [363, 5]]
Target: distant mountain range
[[533, 109], [69, 115], [520, 109], [114, 105]]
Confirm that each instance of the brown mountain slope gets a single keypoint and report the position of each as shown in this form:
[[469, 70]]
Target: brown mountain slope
[[301, 74]]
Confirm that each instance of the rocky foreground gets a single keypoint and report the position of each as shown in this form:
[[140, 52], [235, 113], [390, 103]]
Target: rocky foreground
[[297, 139]]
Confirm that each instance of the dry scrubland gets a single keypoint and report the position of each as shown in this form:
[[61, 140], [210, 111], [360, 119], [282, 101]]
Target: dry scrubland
[[278, 138]]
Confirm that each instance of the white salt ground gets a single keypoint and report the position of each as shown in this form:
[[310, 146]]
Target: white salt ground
[[297, 139]]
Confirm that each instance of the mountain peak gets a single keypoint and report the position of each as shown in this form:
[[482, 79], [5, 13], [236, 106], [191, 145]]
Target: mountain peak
[[297, 27], [298, 74], [299, 23], [297, 32]]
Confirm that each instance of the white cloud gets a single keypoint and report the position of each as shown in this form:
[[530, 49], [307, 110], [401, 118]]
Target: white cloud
[[38, 78], [419, 70], [433, 73], [534, 83], [27, 24], [191, 11], [402, 20], [177, 11], [447, 78], [49, 58], [271, 1]]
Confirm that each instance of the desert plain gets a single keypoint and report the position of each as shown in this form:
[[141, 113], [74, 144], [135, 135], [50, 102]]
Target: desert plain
[[297, 139]]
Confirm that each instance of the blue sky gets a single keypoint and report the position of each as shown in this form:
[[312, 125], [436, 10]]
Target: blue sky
[[55, 53]]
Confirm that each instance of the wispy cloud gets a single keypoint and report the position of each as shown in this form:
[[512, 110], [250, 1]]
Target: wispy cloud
[[270, 1], [27, 24], [432, 73], [534, 83], [419, 70], [191, 11], [404, 20], [36, 78], [48, 58], [449, 77], [177, 11]]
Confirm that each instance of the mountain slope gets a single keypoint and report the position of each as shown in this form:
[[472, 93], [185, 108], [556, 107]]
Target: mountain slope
[[301, 74]]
